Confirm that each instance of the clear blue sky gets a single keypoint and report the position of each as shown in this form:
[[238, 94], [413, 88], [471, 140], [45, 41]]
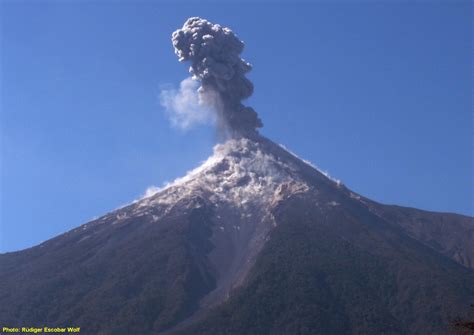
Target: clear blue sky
[[377, 93]]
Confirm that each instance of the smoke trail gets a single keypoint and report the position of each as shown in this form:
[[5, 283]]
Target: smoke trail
[[214, 53]]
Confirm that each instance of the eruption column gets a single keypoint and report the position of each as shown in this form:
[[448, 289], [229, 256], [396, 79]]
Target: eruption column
[[214, 53]]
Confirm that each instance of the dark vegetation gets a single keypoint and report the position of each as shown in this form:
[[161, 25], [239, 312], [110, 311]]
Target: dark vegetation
[[333, 264], [311, 279], [325, 270], [133, 277], [463, 327]]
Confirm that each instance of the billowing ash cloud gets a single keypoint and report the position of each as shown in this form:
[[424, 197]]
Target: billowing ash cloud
[[214, 53]]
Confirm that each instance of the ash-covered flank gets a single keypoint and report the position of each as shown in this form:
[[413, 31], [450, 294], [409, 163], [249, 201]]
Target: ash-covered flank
[[253, 241]]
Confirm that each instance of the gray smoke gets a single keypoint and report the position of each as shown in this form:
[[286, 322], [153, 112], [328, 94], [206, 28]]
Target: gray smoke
[[214, 53]]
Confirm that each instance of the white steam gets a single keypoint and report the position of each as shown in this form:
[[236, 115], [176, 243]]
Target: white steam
[[214, 53], [186, 107], [239, 172], [151, 191]]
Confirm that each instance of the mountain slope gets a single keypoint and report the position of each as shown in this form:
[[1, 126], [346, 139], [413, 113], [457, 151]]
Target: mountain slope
[[253, 241], [447, 233], [343, 272]]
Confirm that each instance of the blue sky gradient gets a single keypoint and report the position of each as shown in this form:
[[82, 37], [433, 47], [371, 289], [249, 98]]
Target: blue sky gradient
[[377, 93]]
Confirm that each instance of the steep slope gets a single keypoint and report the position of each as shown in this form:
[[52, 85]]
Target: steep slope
[[113, 275], [343, 271], [253, 241], [148, 265], [449, 234]]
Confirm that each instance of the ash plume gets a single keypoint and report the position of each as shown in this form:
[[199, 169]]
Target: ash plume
[[214, 54], [185, 107]]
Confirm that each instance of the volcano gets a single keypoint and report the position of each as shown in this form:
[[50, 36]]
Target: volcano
[[253, 241]]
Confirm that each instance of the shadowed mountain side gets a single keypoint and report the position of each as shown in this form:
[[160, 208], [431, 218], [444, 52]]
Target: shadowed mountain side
[[254, 241], [449, 234], [119, 277], [343, 272]]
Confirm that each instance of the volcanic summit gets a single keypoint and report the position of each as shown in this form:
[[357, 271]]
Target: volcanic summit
[[253, 241]]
